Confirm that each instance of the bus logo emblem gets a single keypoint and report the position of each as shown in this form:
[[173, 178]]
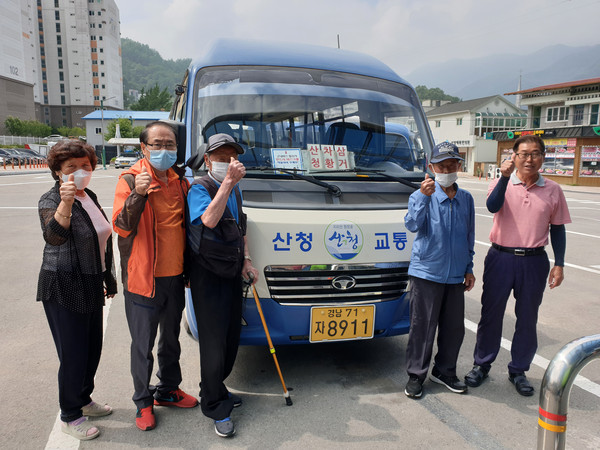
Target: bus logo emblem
[[343, 283]]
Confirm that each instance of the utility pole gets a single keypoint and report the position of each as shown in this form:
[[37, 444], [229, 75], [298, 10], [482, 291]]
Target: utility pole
[[102, 128]]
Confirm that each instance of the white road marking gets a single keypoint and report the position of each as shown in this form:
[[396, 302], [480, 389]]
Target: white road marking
[[584, 383]]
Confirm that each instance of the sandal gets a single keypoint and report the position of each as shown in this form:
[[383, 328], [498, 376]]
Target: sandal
[[521, 384], [476, 376], [80, 429], [93, 409]]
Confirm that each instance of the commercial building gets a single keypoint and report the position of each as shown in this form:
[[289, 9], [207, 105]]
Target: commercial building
[[61, 58], [567, 117], [96, 122], [470, 126]]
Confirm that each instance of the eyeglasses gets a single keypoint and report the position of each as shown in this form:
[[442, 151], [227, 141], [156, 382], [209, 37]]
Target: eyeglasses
[[161, 145], [534, 155]]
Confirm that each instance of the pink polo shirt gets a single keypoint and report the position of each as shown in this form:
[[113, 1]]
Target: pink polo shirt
[[525, 217]]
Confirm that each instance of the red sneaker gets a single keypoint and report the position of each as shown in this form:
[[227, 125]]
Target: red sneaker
[[175, 398], [144, 418]]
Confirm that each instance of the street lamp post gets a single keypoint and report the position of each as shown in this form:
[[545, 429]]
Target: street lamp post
[[102, 128]]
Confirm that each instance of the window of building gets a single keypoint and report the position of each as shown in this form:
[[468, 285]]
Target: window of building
[[92, 25], [63, 100], [102, 74], [459, 121], [94, 50], [62, 88], [92, 38], [44, 76], [58, 40], [96, 86], [101, 62], [103, 86], [91, 13], [99, 13], [46, 99], [98, 130], [594, 110], [100, 38], [94, 74], [64, 111], [438, 123], [57, 15], [59, 51], [56, 3], [60, 64], [58, 27], [101, 50], [557, 114]]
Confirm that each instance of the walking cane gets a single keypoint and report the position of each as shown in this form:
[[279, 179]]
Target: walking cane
[[286, 394]]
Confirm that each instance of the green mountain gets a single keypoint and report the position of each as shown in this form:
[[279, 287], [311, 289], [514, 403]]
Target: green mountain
[[143, 68]]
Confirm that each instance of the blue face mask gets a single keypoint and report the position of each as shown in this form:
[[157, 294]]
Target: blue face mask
[[162, 159]]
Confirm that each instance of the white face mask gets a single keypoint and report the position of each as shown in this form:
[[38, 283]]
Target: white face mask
[[446, 179], [82, 178], [219, 170]]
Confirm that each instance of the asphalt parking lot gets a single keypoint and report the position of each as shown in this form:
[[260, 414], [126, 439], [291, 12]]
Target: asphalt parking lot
[[346, 395]]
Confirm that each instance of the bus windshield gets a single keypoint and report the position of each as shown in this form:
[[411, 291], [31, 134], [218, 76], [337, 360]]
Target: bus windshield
[[323, 123]]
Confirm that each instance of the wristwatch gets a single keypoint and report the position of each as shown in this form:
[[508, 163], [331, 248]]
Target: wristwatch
[[248, 258]]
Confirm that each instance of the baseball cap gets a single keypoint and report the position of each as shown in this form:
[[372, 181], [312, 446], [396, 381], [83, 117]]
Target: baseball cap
[[443, 151], [221, 140]]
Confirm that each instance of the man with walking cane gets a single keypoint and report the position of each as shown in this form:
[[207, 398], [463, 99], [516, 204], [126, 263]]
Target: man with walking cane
[[217, 242]]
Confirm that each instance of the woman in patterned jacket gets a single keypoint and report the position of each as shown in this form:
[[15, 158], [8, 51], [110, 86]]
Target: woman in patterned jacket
[[77, 274]]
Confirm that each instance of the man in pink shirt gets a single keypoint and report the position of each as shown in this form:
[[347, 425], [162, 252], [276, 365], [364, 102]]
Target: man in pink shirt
[[526, 205]]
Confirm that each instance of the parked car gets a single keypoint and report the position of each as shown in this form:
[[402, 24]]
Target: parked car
[[31, 154], [7, 158], [127, 159], [16, 155]]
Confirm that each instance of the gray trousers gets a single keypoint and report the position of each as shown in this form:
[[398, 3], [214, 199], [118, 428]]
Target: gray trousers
[[144, 316], [435, 306]]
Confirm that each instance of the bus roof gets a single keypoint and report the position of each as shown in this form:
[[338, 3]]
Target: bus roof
[[230, 52]]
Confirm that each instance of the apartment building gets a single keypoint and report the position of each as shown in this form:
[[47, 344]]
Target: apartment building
[[567, 117], [470, 126], [18, 60], [65, 54]]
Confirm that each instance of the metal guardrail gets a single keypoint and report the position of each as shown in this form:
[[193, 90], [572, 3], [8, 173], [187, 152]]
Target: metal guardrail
[[556, 388]]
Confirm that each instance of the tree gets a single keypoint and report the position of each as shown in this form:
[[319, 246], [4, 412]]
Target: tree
[[436, 93], [14, 126], [66, 131], [153, 100], [125, 128], [18, 127]]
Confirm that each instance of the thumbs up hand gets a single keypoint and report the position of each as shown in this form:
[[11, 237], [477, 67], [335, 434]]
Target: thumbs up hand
[[428, 186], [143, 181], [508, 166], [67, 190]]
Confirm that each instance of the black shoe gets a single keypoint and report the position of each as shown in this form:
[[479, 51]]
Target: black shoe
[[476, 376], [451, 382], [237, 400], [521, 383], [225, 427], [414, 387]]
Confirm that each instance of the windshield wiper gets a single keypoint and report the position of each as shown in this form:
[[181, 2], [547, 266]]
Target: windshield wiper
[[359, 170], [331, 188]]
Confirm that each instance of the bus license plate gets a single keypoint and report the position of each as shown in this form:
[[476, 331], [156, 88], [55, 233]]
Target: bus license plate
[[340, 323]]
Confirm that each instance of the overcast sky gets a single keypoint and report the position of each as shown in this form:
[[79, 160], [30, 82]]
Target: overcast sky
[[405, 34]]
